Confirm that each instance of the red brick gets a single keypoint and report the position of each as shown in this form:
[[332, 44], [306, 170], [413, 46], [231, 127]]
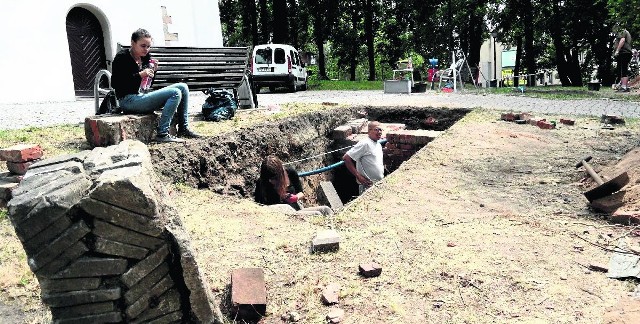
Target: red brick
[[508, 116], [249, 293], [569, 122], [20, 167], [625, 217], [331, 293], [369, 270], [21, 153]]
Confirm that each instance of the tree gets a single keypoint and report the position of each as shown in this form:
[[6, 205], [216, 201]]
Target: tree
[[280, 22]]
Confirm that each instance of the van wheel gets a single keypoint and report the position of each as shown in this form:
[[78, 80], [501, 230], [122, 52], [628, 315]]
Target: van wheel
[[293, 87], [258, 89], [303, 87], [272, 89]]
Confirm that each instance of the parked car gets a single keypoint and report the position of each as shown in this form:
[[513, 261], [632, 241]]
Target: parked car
[[278, 65]]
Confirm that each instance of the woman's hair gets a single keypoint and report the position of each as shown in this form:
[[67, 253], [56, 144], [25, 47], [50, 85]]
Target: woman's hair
[[140, 33], [272, 169]]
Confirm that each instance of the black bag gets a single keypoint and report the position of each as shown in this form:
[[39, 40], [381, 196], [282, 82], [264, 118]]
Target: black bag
[[110, 104], [220, 105]]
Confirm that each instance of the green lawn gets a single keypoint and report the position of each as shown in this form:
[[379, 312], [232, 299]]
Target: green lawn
[[344, 85]]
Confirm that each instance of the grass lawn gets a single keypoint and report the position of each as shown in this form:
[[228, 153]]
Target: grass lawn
[[344, 85]]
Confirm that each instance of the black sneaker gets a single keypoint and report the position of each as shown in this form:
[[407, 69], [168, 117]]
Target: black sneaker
[[168, 138], [627, 89], [187, 133]]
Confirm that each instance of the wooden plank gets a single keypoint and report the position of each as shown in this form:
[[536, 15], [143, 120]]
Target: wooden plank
[[167, 68]]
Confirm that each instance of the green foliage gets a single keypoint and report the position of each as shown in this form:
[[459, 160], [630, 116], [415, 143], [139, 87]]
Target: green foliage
[[345, 85]]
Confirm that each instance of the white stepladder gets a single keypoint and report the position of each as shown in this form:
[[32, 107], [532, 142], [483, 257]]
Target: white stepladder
[[454, 72]]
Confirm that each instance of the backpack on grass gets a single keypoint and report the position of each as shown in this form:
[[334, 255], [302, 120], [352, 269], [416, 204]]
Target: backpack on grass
[[220, 105]]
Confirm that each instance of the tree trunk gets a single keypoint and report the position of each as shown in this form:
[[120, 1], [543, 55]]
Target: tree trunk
[[529, 52], [516, 68], [368, 33], [354, 46], [255, 39], [265, 26], [318, 37], [280, 22], [293, 24], [556, 35]]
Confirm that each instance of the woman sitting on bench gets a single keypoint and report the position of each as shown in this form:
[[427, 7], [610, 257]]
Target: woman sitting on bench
[[133, 70]]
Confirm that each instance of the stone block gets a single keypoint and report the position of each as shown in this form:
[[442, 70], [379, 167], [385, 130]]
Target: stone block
[[111, 317], [329, 196], [397, 86], [21, 153], [62, 285], [369, 270], [424, 136], [80, 297], [175, 317], [146, 283], [10, 177], [121, 217], [71, 166], [48, 234], [105, 130], [144, 267], [59, 245], [144, 302], [31, 211], [5, 189], [168, 304], [341, 132], [326, 241], [69, 255], [19, 167], [109, 247], [249, 293], [611, 119], [119, 234], [331, 294], [81, 310], [129, 188], [93, 267], [78, 157]]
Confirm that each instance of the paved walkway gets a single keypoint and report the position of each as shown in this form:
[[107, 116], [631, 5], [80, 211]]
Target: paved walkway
[[54, 113]]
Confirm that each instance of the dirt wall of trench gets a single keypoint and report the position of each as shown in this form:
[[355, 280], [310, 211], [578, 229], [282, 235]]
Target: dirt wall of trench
[[229, 163]]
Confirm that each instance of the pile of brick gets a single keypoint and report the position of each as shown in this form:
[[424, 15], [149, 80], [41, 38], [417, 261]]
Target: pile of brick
[[102, 242], [527, 118], [19, 158], [249, 292], [403, 144]]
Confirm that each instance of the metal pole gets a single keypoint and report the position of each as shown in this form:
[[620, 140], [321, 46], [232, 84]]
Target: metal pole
[[495, 62], [453, 59]]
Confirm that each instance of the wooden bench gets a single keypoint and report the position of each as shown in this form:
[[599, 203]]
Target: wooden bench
[[199, 67]]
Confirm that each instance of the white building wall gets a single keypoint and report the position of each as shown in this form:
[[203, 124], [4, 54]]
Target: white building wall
[[35, 65], [487, 63]]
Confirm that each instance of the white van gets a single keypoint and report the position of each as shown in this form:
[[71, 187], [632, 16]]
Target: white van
[[278, 65]]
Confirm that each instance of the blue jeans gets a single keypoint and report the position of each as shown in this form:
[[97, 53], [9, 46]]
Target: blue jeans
[[170, 99]]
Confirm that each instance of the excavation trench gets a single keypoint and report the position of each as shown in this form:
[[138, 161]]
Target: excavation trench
[[229, 163]]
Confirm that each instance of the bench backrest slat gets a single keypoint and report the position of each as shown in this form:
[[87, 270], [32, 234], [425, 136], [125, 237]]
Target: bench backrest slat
[[200, 67]]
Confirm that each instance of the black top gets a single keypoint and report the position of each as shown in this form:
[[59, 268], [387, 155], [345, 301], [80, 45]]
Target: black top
[[125, 78], [266, 194]]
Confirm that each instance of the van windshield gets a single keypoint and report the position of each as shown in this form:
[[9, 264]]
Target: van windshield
[[279, 56], [263, 56]]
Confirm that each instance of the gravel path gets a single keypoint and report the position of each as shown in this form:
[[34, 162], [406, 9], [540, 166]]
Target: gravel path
[[15, 116]]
